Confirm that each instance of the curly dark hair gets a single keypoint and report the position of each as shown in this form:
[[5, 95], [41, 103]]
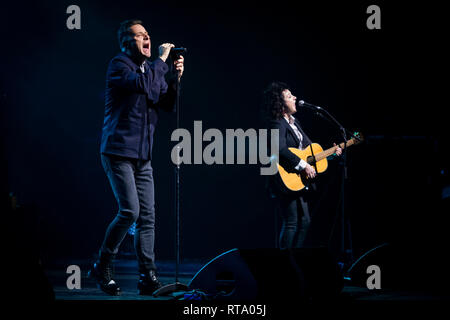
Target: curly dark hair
[[273, 103]]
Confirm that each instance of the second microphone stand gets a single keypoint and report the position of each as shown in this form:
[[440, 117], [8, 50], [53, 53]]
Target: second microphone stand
[[346, 253]]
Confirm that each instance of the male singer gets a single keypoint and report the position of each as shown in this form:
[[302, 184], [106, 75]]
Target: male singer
[[136, 90]]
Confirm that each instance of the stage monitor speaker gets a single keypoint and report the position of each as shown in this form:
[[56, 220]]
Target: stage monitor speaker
[[405, 266], [270, 274]]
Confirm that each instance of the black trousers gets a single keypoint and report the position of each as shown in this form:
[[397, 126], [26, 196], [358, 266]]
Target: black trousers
[[295, 220]]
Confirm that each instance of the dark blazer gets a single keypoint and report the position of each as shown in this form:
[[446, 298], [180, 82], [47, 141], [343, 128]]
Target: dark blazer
[[288, 139], [132, 102]]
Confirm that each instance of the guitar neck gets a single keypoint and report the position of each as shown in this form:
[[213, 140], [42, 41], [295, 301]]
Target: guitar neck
[[330, 151]]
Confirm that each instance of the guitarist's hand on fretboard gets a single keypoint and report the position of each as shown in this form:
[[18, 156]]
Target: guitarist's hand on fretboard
[[338, 150]]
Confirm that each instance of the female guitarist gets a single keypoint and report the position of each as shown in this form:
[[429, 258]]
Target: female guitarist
[[279, 105]]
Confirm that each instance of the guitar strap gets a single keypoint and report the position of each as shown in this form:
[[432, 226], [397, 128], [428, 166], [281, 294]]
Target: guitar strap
[[314, 157]]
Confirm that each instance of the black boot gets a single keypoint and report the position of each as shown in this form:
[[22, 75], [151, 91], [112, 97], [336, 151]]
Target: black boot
[[148, 283], [102, 271]]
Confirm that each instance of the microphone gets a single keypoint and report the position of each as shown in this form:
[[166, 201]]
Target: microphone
[[176, 52], [302, 103]]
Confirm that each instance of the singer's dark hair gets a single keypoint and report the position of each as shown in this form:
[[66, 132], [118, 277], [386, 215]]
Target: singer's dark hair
[[272, 102], [124, 30]]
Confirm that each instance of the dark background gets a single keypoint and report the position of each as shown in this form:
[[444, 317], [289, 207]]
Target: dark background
[[378, 82]]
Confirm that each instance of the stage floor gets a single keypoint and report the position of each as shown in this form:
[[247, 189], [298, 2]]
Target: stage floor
[[126, 276]]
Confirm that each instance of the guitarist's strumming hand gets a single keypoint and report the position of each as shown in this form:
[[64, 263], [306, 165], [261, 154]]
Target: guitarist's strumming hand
[[310, 171]]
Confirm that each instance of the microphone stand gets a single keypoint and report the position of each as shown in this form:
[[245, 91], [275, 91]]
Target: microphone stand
[[176, 286], [346, 254]]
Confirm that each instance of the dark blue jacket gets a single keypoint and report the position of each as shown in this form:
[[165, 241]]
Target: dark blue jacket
[[132, 102]]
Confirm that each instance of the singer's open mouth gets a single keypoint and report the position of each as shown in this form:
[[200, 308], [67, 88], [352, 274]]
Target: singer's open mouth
[[146, 48]]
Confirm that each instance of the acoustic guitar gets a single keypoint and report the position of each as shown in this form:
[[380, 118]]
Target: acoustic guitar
[[315, 156]]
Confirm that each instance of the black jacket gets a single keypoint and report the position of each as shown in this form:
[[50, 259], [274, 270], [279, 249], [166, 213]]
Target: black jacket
[[288, 160], [288, 139]]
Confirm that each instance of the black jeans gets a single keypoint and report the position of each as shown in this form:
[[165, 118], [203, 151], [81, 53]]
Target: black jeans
[[132, 183], [295, 217]]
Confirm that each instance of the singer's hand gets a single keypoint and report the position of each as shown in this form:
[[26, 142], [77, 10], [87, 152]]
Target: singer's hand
[[164, 51], [179, 66]]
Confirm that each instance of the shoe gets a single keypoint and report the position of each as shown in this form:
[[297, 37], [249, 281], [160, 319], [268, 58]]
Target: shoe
[[148, 283], [103, 273]]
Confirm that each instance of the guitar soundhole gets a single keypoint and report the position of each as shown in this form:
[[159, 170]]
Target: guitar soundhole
[[310, 160]]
